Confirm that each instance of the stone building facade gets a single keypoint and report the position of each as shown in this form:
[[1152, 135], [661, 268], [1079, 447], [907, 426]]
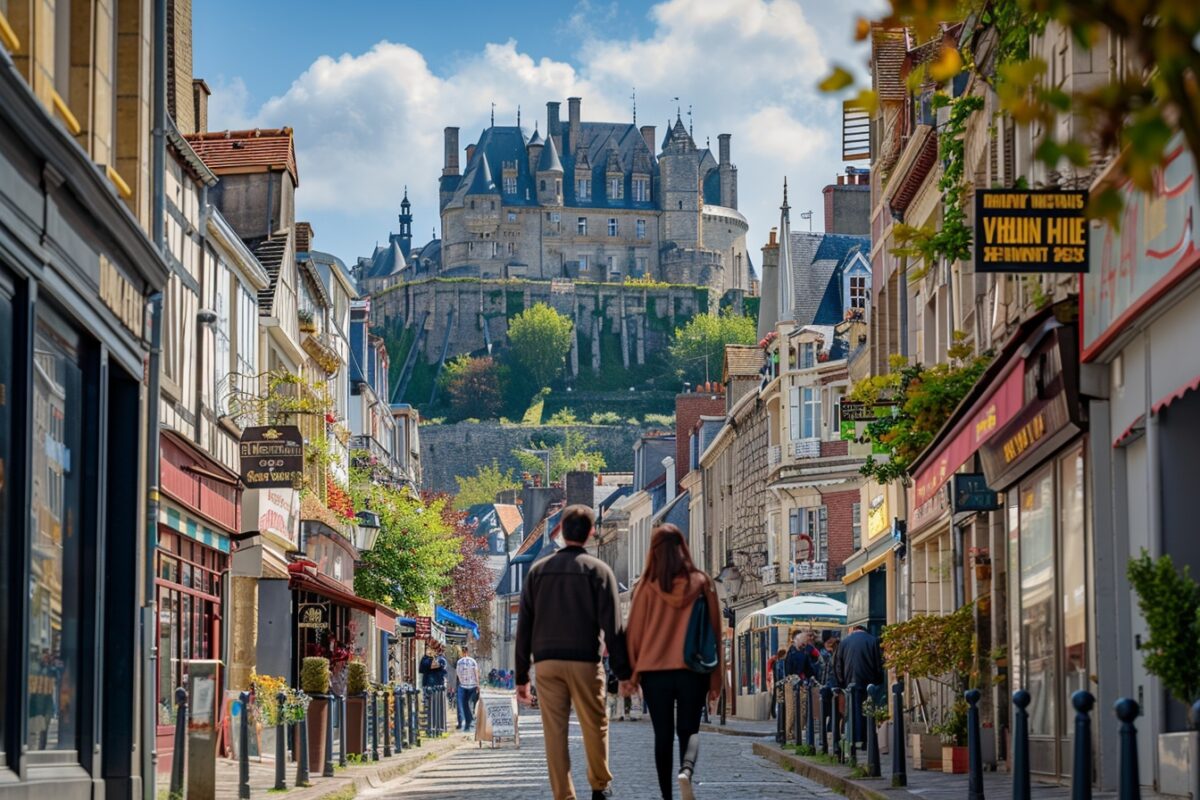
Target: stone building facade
[[593, 201]]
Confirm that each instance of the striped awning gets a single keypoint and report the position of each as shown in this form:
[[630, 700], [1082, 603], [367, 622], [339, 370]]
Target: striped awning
[[192, 528]]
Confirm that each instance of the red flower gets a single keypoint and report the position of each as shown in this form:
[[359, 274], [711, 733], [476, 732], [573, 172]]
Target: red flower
[[330, 419]]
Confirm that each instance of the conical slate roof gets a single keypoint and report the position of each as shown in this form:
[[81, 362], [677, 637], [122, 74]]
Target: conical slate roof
[[549, 161], [483, 183], [535, 139]]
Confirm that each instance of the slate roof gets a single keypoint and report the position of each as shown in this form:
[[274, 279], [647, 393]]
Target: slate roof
[[549, 161], [270, 253], [231, 152], [818, 261], [386, 260], [507, 143], [743, 361]]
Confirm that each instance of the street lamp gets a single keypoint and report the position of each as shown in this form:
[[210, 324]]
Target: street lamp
[[729, 586], [366, 530]]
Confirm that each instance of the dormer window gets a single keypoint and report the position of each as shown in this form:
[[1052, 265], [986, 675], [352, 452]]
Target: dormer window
[[583, 188], [641, 190], [858, 291], [510, 184], [616, 187]]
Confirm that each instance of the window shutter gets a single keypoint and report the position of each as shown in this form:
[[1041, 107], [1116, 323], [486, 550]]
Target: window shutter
[[795, 412]]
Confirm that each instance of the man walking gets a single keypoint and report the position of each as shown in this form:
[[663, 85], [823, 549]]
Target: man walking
[[467, 672], [569, 601], [859, 660]]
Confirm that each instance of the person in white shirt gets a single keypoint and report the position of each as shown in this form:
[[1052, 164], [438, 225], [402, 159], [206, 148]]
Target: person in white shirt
[[467, 672]]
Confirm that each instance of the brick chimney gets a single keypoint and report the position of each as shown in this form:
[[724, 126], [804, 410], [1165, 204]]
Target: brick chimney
[[574, 123], [304, 237], [451, 152], [200, 95], [689, 407], [649, 138], [581, 488]]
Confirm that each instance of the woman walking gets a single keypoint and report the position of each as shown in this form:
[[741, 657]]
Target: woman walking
[[657, 634]]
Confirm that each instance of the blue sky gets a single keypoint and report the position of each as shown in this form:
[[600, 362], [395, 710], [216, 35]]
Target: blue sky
[[369, 88]]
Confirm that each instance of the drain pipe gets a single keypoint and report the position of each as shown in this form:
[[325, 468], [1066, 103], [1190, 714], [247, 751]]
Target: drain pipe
[[158, 155]]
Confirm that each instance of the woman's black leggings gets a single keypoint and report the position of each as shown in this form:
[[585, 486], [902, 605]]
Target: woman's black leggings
[[675, 699]]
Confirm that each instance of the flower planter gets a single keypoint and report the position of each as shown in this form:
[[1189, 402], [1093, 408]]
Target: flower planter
[[925, 750], [983, 572], [318, 721], [954, 759], [1179, 764], [356, 714]]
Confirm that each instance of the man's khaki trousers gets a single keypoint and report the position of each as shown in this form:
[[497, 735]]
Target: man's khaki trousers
[[561, 685]]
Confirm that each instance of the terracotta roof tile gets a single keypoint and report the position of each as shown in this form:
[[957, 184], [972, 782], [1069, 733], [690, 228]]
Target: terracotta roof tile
[[742, 360], [231, 152], [509, 516]]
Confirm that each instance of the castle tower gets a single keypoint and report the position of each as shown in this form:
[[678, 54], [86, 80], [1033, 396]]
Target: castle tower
[[406, 225], [549, 175], [679, 177], [728, 173]]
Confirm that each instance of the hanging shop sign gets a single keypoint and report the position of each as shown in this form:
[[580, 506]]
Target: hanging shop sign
[[424, 626], [272, 457], [972, 493], [1030, 231], [314, 616]]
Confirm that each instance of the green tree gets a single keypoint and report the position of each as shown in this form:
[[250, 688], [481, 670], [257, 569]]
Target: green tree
[[473, 387], [415, 554], [1134, 116], [576, 451], [482, 487], [698, 348], [1170, 603], [539, 339]]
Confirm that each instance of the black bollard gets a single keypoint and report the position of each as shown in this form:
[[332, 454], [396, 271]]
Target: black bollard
[[808, 704], [835, 726], [387, 725], [1128, 785], [396, 719], [974, 747], [414, 713], [852, 702], [796, 736], [899, 762], [244, 748], [280, 743], [826, 704], [177, 757], [780, 713], [427, 702], [401, 719], [342, 729], [302, 756], [873, 770], [1020, 746], [1081, 770], [327, 767], [374, 725]]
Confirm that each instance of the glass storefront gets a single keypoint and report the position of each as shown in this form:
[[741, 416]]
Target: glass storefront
[[55, 580], [6, 357]]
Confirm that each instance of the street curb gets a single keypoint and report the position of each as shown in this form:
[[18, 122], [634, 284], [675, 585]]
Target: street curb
[[381, 776], [837, 781], [707, 728]]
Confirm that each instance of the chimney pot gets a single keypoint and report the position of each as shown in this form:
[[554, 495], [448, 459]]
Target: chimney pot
[[723, 144], [200, 95], [470, 155], [573, 120], [649, 138]]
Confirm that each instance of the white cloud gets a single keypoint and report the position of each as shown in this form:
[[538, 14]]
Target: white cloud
[[368, 124]]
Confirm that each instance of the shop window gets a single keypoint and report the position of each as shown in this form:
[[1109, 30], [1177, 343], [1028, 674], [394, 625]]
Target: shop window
[[55, 602], [1073, 558], [6, 394], [1038, 619]]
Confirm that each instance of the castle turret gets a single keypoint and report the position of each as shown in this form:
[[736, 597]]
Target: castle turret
[[679, 177], [534, 150], [727, 172], [549, 176], [406, 225]]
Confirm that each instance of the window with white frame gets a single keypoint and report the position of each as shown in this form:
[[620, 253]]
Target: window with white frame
[[856, 525], [583, 188], [612, 226], [858, 291], [583, 261], [641, 190], [810, 412], [581, 226], [616, 187], [641, 265], [807, 357], [641, 229], [224, 299], [512, 216], [510, 184], [813, 523]]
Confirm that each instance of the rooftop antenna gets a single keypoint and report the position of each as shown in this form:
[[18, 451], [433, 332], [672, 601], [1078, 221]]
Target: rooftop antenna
[[690, 119], [678, 114], [518, 115], [808, 215], [493, 115], [633, 97]]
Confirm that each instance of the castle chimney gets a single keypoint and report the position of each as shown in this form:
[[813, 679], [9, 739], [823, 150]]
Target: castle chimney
[[554, 125], [574, 122], [723, 139], [304, 237], [470, 155], [451, 156], [200, 94], [648, 136], [773, 241]]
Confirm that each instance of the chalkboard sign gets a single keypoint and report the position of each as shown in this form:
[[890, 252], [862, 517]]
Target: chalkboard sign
[[497, 719]]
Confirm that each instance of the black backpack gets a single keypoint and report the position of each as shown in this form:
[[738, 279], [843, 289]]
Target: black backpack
[[700, 643]]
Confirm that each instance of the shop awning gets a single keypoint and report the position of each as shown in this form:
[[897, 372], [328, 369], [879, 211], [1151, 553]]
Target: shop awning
[[448, 617], [802, 608], [1178, 394], [302, 578]]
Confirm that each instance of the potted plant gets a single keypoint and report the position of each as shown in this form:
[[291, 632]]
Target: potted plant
[[314, 682], [1169, 601], [937, 649], [952, 730], [356, 706]]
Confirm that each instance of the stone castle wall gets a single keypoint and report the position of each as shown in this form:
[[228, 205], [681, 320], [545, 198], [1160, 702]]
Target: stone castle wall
[[458, 450]]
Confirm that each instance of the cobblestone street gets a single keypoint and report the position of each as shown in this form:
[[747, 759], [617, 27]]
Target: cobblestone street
[[727, 769]]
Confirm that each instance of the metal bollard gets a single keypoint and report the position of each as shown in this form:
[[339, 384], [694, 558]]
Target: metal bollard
[[1128, 784], [244, 748], [808, 688], [280, 744], [899, 762], [414, 716], [780, 713], [835, 724], [826, 703], [177, 757], [396, 697], [401, 719], [374, 725], [873, 770], [1081, 770], [302, 756], [974, 747], [426, 695], [387, 725], [342, 729], [796, 713], [852, 721], [1020, 746], [327, 767]]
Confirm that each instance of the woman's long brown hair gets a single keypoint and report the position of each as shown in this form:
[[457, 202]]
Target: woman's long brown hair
[[669, 557]]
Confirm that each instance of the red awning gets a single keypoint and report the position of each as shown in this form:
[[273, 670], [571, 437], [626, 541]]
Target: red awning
[[385, 619], [1178, 394], [302, 579]]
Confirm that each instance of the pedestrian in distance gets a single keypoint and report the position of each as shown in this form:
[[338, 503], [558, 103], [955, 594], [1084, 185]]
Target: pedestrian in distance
[[674, 628], [467, 672], [569, 612], [859, 660], [432, 668], [775, 674], [802, 658]]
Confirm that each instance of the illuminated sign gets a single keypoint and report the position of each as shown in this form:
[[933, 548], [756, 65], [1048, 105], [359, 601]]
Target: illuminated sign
[[1030, 231]]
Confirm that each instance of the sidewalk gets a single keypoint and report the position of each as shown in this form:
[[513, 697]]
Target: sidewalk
[[922, 784], [346, 783]]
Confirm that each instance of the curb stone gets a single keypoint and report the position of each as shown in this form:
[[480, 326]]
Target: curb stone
[[838, 782]]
